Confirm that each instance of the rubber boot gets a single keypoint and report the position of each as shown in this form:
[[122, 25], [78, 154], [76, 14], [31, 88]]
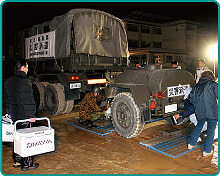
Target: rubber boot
[[27, 163], [17, 160]]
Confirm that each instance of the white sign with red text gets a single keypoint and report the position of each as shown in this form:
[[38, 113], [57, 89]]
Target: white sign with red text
[[41, 45]]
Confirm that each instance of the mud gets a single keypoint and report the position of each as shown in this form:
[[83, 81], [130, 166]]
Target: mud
[[81, 152]]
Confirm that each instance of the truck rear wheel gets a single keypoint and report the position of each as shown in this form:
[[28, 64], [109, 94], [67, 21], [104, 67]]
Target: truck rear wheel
[[38, 90], [126, 115], [54, 97], [45, 84], [69, 106]]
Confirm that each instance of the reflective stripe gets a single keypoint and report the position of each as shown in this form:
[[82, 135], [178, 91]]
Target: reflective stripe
[[96, 81]]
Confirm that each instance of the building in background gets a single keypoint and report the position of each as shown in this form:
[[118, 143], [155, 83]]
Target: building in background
[[153, 37]]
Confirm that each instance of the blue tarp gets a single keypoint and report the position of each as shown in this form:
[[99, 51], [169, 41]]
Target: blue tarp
[[173, 146], [102, 131]]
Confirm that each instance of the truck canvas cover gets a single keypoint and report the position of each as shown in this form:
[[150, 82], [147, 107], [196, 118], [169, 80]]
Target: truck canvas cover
[[84, 30]]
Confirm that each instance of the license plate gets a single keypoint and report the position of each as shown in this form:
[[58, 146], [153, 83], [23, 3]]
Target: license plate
[[75, 85], [170, 108], [177, 90]]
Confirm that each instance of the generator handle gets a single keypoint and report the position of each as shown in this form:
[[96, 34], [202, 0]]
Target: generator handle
[[27, 120]]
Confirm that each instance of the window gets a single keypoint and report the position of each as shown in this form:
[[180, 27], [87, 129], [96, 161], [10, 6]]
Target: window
[[156, 58], [157, 30], [145, 29], [103, 33], [190, 36], [180, 59], [157, 44], [132, 27], [191, 28], [134, 59], [145, 44], [168, 59], [132, 43]]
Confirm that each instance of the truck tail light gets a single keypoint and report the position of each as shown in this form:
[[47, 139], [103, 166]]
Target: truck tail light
[[159, 95], [74, 78], [96, 81]]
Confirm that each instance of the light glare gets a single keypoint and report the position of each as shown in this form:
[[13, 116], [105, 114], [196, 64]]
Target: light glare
[[213, 52]]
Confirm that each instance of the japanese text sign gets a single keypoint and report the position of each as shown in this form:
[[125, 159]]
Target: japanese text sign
[[41, 45]]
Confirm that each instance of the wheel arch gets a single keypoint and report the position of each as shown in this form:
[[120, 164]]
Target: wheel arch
[[140, 94]]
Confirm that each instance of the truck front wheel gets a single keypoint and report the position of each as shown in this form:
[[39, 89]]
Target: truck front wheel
[[54, 98], [126, 115]]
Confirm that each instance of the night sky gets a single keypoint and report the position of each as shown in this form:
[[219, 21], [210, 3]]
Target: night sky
[[21, 15]]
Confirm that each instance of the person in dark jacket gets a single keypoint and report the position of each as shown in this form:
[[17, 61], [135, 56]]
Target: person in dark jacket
[[204, 98], [19, 101]]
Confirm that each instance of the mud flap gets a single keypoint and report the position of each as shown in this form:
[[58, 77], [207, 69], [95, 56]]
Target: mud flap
[[145, 116]]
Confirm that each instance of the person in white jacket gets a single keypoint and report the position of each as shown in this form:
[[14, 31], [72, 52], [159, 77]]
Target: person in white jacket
[[201, 68]]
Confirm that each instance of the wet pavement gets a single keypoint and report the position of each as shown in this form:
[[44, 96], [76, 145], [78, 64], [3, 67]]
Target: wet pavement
[[81, 152]]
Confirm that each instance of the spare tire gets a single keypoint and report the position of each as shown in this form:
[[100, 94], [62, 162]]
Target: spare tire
[[54, 98], [126, 115]]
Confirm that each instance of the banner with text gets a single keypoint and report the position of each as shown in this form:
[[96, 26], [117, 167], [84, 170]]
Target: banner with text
[[41, 45]]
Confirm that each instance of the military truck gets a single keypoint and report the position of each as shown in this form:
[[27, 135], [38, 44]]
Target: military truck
[[142, 94], [70, 54]]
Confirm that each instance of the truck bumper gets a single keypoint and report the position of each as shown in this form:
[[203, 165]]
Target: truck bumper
[[173, 113]]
